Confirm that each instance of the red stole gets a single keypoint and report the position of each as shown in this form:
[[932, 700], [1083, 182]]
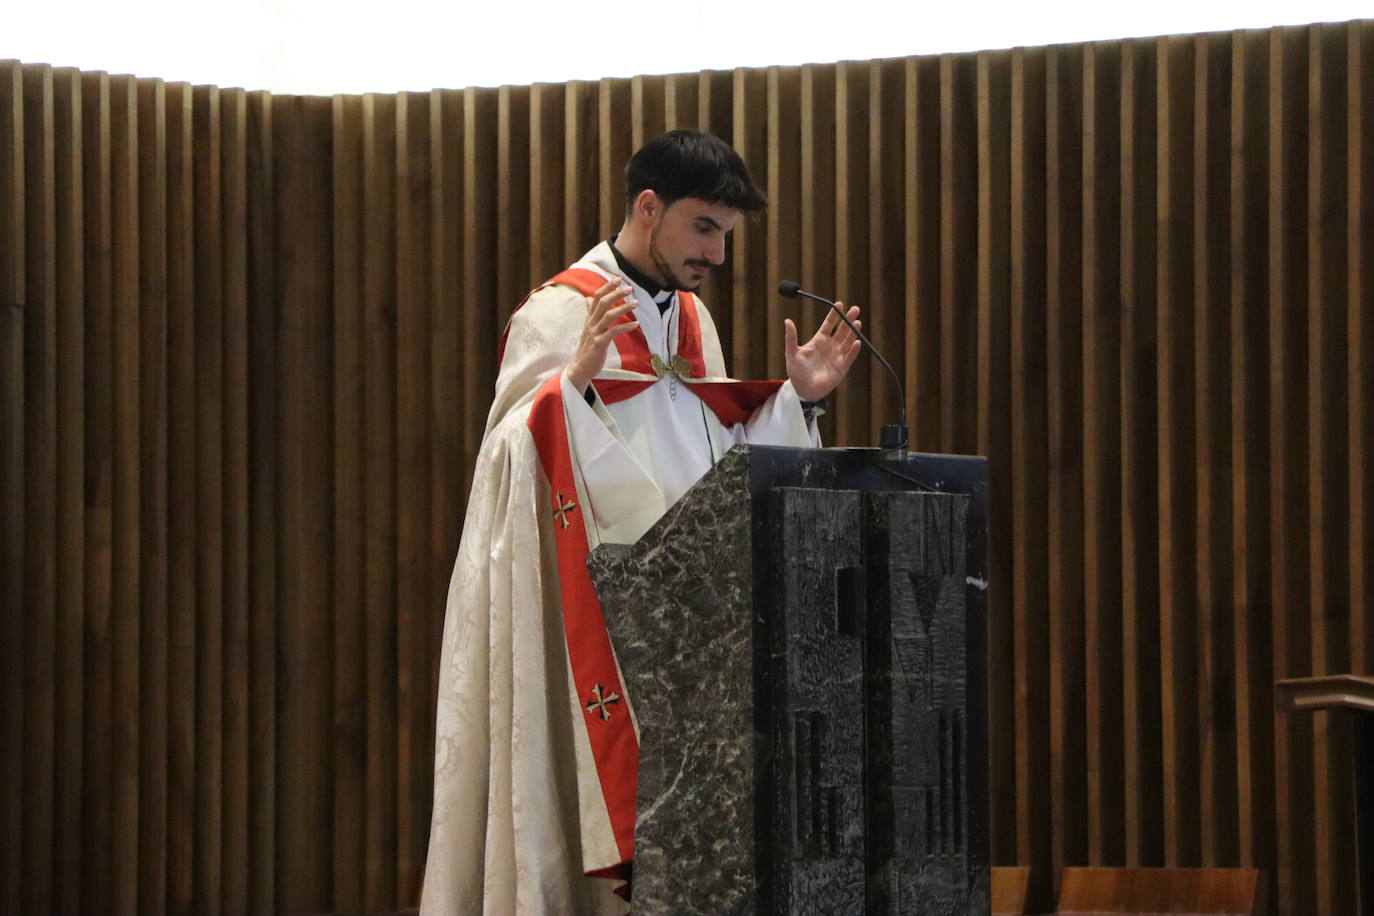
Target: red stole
[[731, 401]]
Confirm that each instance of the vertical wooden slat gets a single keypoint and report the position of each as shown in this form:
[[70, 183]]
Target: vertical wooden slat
[[949, 210], [747, 253], [182, 519], [1177, 604], [479, 251], [349, 746], [646, 109], [1205, 568], [1097, 323], [98, 783], [1214, 697], [994, 402], [449, 400], [1139, 577], [1327, 503], [719, 96], [263, 501], [614, 146], [12, 295], [681, 98], [958, 245], [69, 826], [1064, 519], [785, 218], [1359, 246], [1030, 471], [581, 170], [209, 489], [1249, 475], [922, 255], [716, 113], [850, 219], [126, 549], [1102, 308], [851, 401], [415, 713], [816, 149], [446, 396], [379, 497], [548, 108], [513, 280], [885, 231], [234, 127], [154, 686], [301, 140], [717, 92], [40, 487], [1286, 258]]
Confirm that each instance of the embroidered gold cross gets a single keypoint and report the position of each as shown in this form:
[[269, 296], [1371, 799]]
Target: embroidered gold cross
[[564, 507], [601, 704]]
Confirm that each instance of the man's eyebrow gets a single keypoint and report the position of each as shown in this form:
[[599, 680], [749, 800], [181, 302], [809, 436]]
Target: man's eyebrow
[[706, 219]]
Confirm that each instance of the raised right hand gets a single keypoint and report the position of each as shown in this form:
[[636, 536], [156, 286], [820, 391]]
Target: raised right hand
[[604, 308]]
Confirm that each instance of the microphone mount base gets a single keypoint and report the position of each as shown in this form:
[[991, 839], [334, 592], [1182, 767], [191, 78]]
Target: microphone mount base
[[892, 437]]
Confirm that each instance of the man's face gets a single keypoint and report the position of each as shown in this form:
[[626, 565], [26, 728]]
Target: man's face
[[688, 240]]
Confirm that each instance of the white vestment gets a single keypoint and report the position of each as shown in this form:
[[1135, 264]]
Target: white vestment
[[519, 814]]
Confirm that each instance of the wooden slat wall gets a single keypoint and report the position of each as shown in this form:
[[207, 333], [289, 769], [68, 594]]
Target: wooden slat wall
[[12, 298], [246, 350]]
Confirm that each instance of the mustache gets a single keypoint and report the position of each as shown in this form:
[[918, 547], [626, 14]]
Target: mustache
[[700, 262]]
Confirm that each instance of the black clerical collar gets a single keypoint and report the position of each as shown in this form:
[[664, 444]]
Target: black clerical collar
[[662, 297]]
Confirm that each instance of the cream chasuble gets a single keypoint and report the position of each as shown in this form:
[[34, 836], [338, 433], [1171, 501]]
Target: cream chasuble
[[535, 745]]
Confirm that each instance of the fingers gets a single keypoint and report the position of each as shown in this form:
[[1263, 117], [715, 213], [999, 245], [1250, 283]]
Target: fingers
[[844, 333], [598, 335], [789, 338], [854, 349], [607, 297], [829, 322], [616, 330], [853, 315], [832, 326], [605, 307], [609, 289], [615, 313]]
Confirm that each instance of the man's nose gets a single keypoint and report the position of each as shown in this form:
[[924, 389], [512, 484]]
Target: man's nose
[[715, 251]]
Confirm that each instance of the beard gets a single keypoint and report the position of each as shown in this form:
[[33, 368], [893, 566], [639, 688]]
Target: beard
[[670, 277]]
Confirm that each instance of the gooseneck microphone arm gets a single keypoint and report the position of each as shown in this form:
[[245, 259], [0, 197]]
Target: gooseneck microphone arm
[[889, 437]]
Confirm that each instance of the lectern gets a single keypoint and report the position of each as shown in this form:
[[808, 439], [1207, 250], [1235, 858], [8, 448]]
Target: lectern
[[803, 640], [1355, 694]]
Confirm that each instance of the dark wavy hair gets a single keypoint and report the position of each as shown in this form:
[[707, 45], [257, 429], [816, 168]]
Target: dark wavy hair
[[690, 163]]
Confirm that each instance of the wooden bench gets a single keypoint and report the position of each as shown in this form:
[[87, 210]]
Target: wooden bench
[[1009, 884], [1159, 891]]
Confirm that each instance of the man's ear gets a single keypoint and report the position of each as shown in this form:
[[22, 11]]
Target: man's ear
[[648, 206]]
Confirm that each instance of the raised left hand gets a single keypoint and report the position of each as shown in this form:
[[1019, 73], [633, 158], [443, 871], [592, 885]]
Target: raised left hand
[[817, 366]]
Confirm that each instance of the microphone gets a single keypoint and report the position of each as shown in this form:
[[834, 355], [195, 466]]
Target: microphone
[[891, 438]]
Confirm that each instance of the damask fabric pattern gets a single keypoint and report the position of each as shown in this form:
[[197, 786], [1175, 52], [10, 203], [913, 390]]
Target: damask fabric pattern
[[506, 835], [520, 818]]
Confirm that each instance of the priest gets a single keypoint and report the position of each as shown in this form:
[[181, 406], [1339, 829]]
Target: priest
[[612, 399]]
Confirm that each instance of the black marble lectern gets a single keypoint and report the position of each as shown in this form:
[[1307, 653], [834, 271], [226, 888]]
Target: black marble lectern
[[802, 636]]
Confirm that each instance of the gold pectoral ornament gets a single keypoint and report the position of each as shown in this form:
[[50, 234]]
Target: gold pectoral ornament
[[676, 368]]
